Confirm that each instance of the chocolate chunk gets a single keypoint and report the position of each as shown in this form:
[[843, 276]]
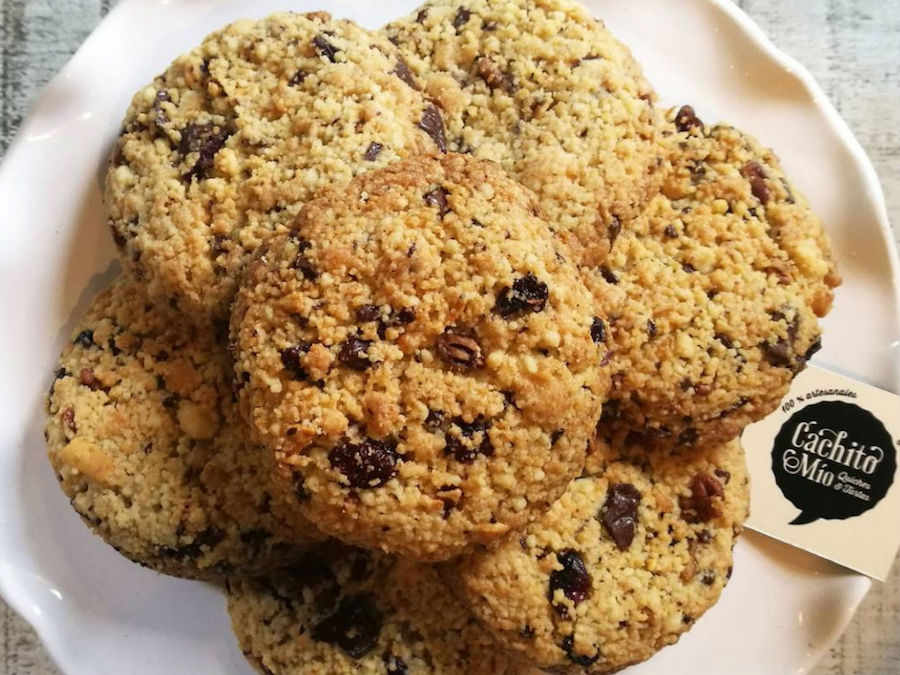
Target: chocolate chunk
[[699, 506], [366, 313], [493, 76], [324, 48], [526, 295], [369, 464], [298, 77], [433, 124], [206, 140], [301, 262], [354, 353], [85, 338], [395, 665], [354, 626], [598, 330], [464, 445], [373, 151], [573, 579], [568, 645], [461, 352], [686, 119], [608, 275], [435, 419], [756, 175], [813, 348], [438, 198], [402, 71], [778, 353], [292, 360], [461, 18], [619, 513]]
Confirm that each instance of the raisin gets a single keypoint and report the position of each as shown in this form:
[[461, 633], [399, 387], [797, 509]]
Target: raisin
[[405, 316], [670, 231], [756, 176], [366, 313], [207, 539], [704, 536], [354, 353], [373, 151], [85, 338], [555, 435], [402, 71], [89, 380], [206, 140], [438, 198], [301, 262], [368, 464], [354, 626], [68, 419], [568, 645], [573, 579], [433, 124], [118, 238], [292, 360], [463, 447], [598, 330], [707, 577], [324, 48], [526, 295], [421, 16], [461, 352], [461, 18], [686, 119], [651, 328], [619, 513], [699, 506], [613, 230]]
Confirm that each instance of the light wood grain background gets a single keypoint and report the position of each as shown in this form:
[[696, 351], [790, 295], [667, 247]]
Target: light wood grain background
[[851, 46]]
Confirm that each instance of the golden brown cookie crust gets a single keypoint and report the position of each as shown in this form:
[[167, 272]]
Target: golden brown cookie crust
[[716, 291], [220, 151], [150, 450], [349, 611], [420, 355], [545, 90], [634, 552]]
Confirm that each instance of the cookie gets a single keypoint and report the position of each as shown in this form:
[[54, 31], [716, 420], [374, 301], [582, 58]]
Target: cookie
[[422, 358], [629, 558], [545, 90], [222, 149], [149, 448], [719, 286], [349, 611]]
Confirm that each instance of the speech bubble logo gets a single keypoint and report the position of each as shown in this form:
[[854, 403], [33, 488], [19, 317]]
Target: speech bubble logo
[[833, 460]]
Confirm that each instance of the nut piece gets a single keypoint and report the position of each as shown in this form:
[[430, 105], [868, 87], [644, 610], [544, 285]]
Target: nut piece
[[461, 352]]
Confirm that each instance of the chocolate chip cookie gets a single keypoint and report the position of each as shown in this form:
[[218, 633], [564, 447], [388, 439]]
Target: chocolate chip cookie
[[635, 551], [719, 286], [422, 358], [222, 149], [545, 90], [151, 452], [349, 611]]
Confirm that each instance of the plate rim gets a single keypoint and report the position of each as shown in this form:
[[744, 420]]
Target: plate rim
[[50, 639]]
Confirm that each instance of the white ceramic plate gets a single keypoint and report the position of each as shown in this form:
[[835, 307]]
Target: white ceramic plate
[[100, 615]]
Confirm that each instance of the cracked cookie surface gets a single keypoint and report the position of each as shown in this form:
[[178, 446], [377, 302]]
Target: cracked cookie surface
[[222, 149], [716, 289], [150, 450], [343, 610], [421, 357], [635, 551], [545, 90]]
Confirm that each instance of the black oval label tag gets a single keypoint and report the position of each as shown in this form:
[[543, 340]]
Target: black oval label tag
[[833, 460]]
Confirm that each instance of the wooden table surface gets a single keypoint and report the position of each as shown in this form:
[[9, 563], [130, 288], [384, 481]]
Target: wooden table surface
[[851, 46]]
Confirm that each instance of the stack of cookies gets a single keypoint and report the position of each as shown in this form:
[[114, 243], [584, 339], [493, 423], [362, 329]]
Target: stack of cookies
[[433, 343]]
